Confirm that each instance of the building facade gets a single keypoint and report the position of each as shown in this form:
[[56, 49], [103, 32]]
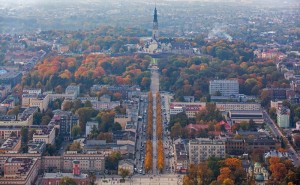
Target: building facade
[[20, 170], [46, 135], [239, 116], [201, 149], [228, 106], [76, 175], [283, 117], [66, 120], [126, 165], [224, 87], [89, 162]]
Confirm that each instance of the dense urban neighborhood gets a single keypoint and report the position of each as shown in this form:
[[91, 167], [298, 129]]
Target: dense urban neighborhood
[[184, 98]]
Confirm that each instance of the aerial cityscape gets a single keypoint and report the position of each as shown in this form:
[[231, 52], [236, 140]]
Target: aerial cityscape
[[132, 92]]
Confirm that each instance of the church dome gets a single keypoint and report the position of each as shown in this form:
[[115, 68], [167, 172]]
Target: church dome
[[257, 165], [259, 177]]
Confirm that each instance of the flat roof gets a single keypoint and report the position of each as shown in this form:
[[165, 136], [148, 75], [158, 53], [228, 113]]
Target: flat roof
[[61, 175]]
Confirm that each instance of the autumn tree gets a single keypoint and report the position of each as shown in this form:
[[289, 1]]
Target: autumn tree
[[111, 161], [75, 146], [277, 168], [232, 169], [148, 156], [76, 130], [67, 181], [123, 172], [160, 155]]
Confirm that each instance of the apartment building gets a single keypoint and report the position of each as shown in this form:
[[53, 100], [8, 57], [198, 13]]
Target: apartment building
[[20, 170], [276, 104], [181, 158], [46, 135], [235, 146], [76, 175], [23, 119], [283, 117], [36, 100], [91, 161], [6, 131], [242, 115], [190, 108], [228, 106], [224, 87], [11, 145], [73, 89], [32, 91], [201, 149], [66, 120]]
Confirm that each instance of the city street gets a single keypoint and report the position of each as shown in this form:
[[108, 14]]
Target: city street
[[154, 88], [277, 133], [141, 136], [168, 145], [142, 180]]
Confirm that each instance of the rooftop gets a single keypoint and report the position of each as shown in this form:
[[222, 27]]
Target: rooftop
[[24, 165], [10, 143], [35, 146], [61, 175]]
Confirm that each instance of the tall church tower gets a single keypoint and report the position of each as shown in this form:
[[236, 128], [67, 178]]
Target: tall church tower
[[155, 34]]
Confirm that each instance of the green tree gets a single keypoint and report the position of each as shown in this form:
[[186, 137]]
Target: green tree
[[105, 136], [75, 146], [85, 114], [76, 130], [67, 181], [37, 118], [210, 113], [13, 134], [180, 118], [123, 172], [116, 126], [24, 139], [176, 131], [92, 179], [244, 125], [50, 150], [213, 163], [45, 120], [30, 134], [111, 161], [14, 111], [88, 104], [94, 132], [106, 120]]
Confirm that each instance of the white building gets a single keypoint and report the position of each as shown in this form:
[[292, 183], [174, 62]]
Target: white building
[[176, 110], [276, 104], [228, 106], [89, 127], [283, 117], [237, 116], [44, 135], [225, 87], [73, 89], [201, 149], [32, 91]]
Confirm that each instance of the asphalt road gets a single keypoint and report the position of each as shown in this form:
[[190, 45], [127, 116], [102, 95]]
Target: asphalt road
[[277, 133], [142, 180], [154, 88], [141, 132], [168, 145]]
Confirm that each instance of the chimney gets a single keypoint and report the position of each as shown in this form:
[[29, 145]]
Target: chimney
[[76, 168]]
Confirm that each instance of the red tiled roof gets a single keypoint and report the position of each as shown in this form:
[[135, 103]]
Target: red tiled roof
[[196, 127]]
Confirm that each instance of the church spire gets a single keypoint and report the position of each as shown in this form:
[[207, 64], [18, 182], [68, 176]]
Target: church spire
[[155, 25], [155, 14]]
